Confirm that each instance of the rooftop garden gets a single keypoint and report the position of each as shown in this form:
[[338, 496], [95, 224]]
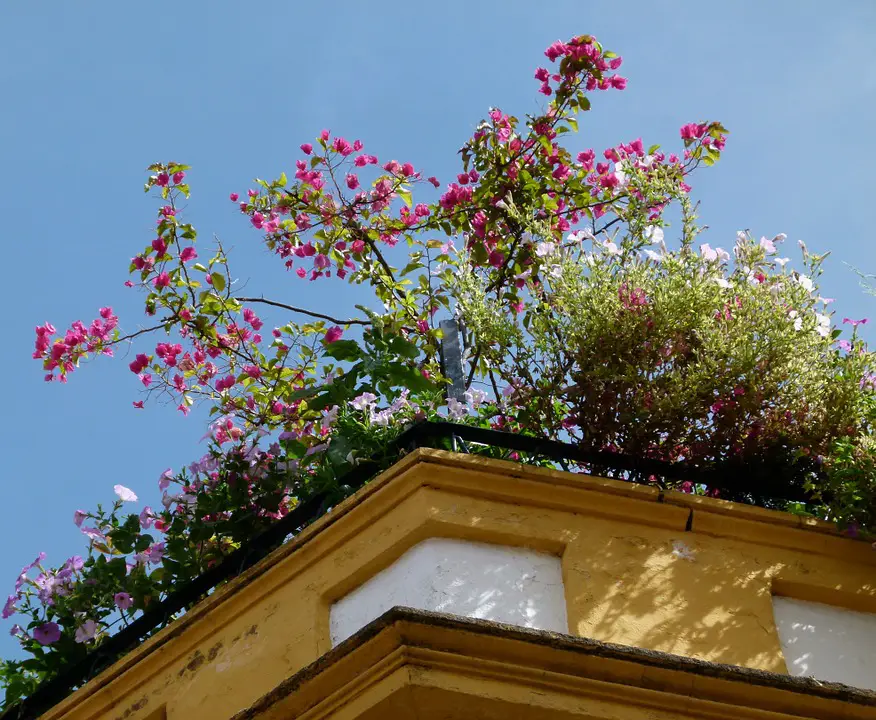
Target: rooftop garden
[[590, 315]]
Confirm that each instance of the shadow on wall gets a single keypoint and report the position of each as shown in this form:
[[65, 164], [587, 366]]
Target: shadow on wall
[[644, 582], [690, 594]]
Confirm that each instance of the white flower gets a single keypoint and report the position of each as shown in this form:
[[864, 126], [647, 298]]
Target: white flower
[[781, 262], [655, 256], [805, 283], [86, 631], [475, 398], [826, 301], [741, 236], [611, 248], [822, 326], [723, 255], [125, 494], [767, 245], [555, 270], [455, 409], [707, 252], [722, 282], [330, 416], [401, 401], [545, 249], [781, 237], [620, 174], [580, 235], [382, 418], [654, 234], [364, 401], [798, 324]]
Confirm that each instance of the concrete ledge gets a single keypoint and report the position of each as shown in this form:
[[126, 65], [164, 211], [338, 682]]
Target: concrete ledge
[[562, 668]]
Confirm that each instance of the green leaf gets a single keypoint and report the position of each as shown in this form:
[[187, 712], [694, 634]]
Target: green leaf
[[218, 281], [344, 350], [405, 348]]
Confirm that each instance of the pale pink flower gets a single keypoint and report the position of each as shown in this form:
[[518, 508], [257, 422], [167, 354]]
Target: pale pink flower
[[123, 601], [86, 631], [708, 253], [125, 494]]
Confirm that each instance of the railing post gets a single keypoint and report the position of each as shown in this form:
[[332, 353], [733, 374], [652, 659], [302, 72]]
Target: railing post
[[451, 359]]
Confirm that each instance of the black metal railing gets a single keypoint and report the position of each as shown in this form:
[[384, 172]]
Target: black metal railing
[[737, 480]]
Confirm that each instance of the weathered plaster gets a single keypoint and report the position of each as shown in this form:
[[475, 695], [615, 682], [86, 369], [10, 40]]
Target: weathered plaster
[[490, 582], [828, 643]]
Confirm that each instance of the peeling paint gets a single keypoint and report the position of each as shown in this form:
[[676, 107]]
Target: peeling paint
[[137, 706], [683, 551]]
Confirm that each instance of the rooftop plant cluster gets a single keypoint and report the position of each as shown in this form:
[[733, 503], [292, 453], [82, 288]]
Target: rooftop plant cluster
[[588, 317]]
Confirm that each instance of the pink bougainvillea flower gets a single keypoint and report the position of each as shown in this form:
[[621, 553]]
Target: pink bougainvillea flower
[[138, 404], [234, 197], [79, 517], [125, 494], [162, 280], [333, 334], [188, 253]]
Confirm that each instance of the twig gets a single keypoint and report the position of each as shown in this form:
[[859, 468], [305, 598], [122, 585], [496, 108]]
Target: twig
[[302, 311]]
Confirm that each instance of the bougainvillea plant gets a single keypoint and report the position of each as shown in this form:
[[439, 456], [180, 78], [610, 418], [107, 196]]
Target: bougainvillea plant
[[583, 323]]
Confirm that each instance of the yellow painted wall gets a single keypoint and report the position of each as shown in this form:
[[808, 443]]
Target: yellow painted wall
[[633, 575]]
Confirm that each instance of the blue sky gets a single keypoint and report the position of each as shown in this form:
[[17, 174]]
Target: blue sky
[[94, 92]]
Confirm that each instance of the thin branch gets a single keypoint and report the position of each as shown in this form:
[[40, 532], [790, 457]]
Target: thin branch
[[132, 335], [302, 311]]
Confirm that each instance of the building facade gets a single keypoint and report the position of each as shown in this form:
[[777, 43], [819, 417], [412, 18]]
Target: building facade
[[459, 587]]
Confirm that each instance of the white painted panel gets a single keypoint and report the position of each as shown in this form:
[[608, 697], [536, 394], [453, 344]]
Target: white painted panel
[[827, 642], [491, 582]]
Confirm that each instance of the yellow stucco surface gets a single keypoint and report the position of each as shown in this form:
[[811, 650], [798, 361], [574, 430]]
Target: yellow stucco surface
[[666, 572], [431, 667]]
